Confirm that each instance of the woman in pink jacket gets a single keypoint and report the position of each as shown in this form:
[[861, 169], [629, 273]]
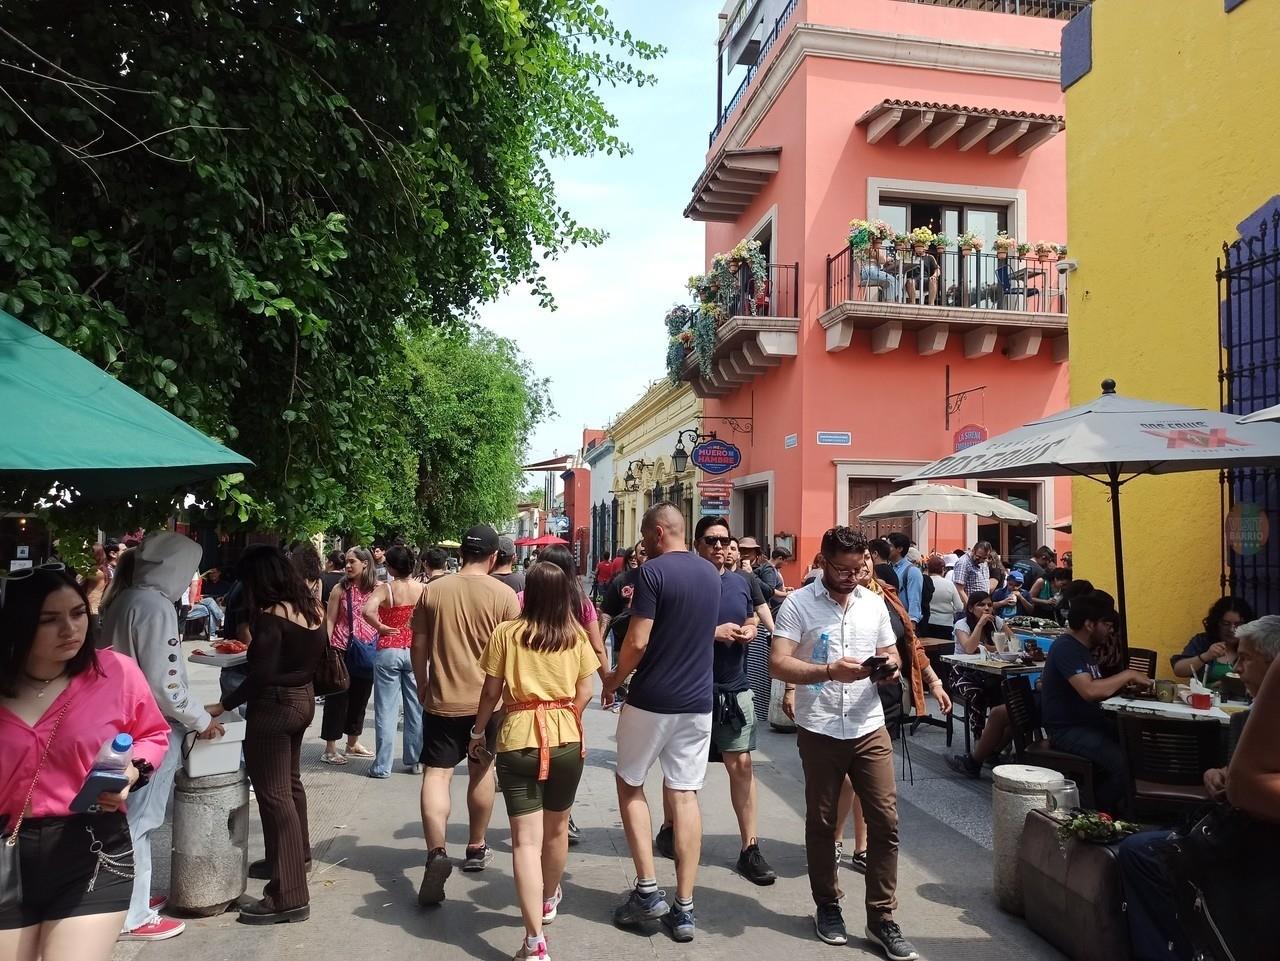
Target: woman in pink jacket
[[60, 701]]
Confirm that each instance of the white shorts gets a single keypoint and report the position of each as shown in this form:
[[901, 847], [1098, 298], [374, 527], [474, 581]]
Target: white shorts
[[679, 742]]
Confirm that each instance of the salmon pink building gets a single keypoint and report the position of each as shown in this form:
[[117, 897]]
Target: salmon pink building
[[940, 126]]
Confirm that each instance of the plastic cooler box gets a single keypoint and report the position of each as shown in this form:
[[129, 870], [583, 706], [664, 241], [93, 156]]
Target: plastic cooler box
[[219, 756]]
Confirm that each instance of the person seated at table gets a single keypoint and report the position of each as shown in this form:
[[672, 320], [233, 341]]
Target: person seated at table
[[1143, 857], [923, 267], [997, 734], [976, 631], [1073, 589], [1044, 592], [1073, 690], [1006, 600], [880, 270], [1214, 648]]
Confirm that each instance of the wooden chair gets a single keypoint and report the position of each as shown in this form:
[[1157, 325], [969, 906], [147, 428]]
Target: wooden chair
[[1167, 759], [1032, 747], [1143, 659]]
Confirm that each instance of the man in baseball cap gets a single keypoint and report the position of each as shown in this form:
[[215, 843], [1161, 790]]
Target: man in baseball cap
[[452, 623], [504, 564]]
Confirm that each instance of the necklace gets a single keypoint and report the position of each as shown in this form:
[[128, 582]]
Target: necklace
[[42, 684]]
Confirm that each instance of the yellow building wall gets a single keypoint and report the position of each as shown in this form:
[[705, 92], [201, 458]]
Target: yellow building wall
[[1173, 139]]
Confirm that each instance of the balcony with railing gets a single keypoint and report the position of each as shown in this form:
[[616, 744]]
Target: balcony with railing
[[974, 295], [1049, 9], [750, 330]]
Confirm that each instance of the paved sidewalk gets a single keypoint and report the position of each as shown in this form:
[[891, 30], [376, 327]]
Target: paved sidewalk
[[367, 840]]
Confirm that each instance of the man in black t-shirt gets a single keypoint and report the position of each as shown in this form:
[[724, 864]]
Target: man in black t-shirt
[[1073, 691], [504, 565]]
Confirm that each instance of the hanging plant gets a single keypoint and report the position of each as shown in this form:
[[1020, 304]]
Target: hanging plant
[[675, 360], [704, 338]]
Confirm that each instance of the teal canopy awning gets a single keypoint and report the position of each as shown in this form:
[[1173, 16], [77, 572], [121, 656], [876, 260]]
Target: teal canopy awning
[[65, 422]]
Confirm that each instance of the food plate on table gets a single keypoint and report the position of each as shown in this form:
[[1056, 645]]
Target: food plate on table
[[224, 654]]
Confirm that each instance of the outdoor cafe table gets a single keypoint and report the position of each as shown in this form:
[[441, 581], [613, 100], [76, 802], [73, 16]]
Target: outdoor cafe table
[[977, 662], [1177, 709]]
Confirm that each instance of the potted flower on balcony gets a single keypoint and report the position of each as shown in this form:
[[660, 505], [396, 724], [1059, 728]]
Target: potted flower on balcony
[[1061, 250], [1024, 249], [685, 337], [1046, 250], [971, 241], [1004, 243], [921, 238]]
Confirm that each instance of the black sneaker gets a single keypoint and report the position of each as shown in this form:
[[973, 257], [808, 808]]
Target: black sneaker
[[575, 832], [828, 921], [858, 861], [680, 924], [888, 935], [753, 866], [439, 867], [665, 843], [478, 858], [965, 764]]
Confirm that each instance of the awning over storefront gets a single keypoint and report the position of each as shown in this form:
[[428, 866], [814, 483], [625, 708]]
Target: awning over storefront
[[731, 182], [938, 123]]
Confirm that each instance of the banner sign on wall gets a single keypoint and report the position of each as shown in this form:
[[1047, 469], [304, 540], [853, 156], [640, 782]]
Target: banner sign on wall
[[970, 435]]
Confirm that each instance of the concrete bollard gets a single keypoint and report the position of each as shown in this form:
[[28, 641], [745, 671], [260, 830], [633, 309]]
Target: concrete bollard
[[1019, 789], [210, 842]]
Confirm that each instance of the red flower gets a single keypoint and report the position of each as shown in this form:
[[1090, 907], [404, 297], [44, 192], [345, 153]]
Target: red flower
[[1104, 816]]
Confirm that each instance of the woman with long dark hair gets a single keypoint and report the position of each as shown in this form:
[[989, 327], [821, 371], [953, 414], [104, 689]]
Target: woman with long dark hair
[[60, 702], [345, 624], [976, 631], [540, 667], [583, 609], [1212, 652], [288, 644], [390, 609]]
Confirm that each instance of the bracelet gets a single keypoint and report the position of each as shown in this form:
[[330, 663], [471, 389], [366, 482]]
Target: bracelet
[[789, 689], [474, 733]]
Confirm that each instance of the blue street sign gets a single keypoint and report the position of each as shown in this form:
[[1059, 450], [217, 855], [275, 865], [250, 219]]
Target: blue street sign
[[835, 438], [716, 456]]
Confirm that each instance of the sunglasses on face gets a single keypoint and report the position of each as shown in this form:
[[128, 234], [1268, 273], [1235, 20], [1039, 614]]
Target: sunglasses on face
[[716, 541]]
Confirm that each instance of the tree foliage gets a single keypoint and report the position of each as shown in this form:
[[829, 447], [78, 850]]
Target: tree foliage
[[254, 211]]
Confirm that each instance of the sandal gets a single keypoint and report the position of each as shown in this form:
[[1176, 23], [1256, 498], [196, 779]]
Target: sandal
[[332, 759], [359, 751]]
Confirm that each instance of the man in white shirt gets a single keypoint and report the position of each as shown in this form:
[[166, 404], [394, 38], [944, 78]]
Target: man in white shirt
[[822, 635]]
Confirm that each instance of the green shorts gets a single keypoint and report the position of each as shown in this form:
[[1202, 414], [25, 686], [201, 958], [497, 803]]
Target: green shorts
[[729, 738], [525, 794]]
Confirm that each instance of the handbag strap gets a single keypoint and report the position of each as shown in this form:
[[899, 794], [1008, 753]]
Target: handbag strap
[[351, 616], [12, 839]]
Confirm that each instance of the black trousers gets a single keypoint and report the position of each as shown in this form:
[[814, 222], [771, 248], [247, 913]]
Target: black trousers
[[278, 718], [344, 713]]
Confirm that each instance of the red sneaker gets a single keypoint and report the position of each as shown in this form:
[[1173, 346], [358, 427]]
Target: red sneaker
[[159, 902], [161, 929]]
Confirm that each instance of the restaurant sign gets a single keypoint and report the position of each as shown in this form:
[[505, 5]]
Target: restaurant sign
[[969, 435], [716, 456]]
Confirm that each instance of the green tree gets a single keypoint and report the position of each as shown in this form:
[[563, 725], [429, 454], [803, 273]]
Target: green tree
[[247, 208]]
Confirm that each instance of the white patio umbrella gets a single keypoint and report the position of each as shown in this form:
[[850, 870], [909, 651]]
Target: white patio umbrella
[[1260, 416], [944, 499], [1113, 440]]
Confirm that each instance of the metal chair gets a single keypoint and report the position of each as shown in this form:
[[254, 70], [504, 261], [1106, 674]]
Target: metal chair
[[1143, 659], [1167, 759], [1032, 747]]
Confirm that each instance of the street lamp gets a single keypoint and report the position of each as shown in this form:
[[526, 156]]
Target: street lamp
[[631, 482], [680, 456]]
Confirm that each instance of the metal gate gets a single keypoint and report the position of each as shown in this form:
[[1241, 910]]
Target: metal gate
[[1249, 380]]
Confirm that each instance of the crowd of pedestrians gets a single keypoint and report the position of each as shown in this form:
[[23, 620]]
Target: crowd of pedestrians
[[494, 668]]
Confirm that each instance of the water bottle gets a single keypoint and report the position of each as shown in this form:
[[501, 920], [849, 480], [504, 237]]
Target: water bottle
[[115, 755], [821, 655]]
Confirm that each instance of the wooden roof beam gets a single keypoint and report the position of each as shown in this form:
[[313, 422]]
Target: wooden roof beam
[[1006, 135], [974, 131], [914, 127], [877, 128], [943, 130], [1041, 133]]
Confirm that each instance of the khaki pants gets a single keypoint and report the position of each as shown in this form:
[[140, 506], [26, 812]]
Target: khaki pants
[[868, 761]]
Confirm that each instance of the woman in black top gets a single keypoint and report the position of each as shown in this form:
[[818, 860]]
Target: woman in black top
[[288, 644]]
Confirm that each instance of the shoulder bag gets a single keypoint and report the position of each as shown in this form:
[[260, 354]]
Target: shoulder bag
[[360, 654], [1226, 883], [10, 859]]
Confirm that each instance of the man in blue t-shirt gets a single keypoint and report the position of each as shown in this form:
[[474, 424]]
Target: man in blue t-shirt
[[1073, 691], [667, 717], [733, 722]]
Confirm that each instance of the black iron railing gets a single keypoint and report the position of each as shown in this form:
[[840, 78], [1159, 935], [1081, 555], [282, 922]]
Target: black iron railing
[[779, 298], [1048, 9], [1249, 377], [950, 278], [765, 47]]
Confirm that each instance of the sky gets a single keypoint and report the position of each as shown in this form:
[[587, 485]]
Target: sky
[[606, 341]]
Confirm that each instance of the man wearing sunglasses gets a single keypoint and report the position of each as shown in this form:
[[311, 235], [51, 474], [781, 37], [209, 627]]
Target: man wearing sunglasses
[[825, 636], [733, 720]]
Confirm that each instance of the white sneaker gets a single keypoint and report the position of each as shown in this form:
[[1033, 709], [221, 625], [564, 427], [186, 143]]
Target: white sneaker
[[532, 954], [551, 905]]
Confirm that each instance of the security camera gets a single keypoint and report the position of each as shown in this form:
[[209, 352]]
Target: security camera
[[1064, 266]]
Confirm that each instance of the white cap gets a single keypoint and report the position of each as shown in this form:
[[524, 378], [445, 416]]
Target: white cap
[[950, 560], [913, 555]]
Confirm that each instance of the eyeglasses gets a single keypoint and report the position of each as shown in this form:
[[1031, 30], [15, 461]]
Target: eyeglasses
[[843, 571], [29, 571], [717, 541]]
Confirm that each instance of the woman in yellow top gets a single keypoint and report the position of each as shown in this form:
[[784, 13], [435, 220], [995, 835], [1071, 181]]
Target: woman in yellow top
[[540, 667]]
